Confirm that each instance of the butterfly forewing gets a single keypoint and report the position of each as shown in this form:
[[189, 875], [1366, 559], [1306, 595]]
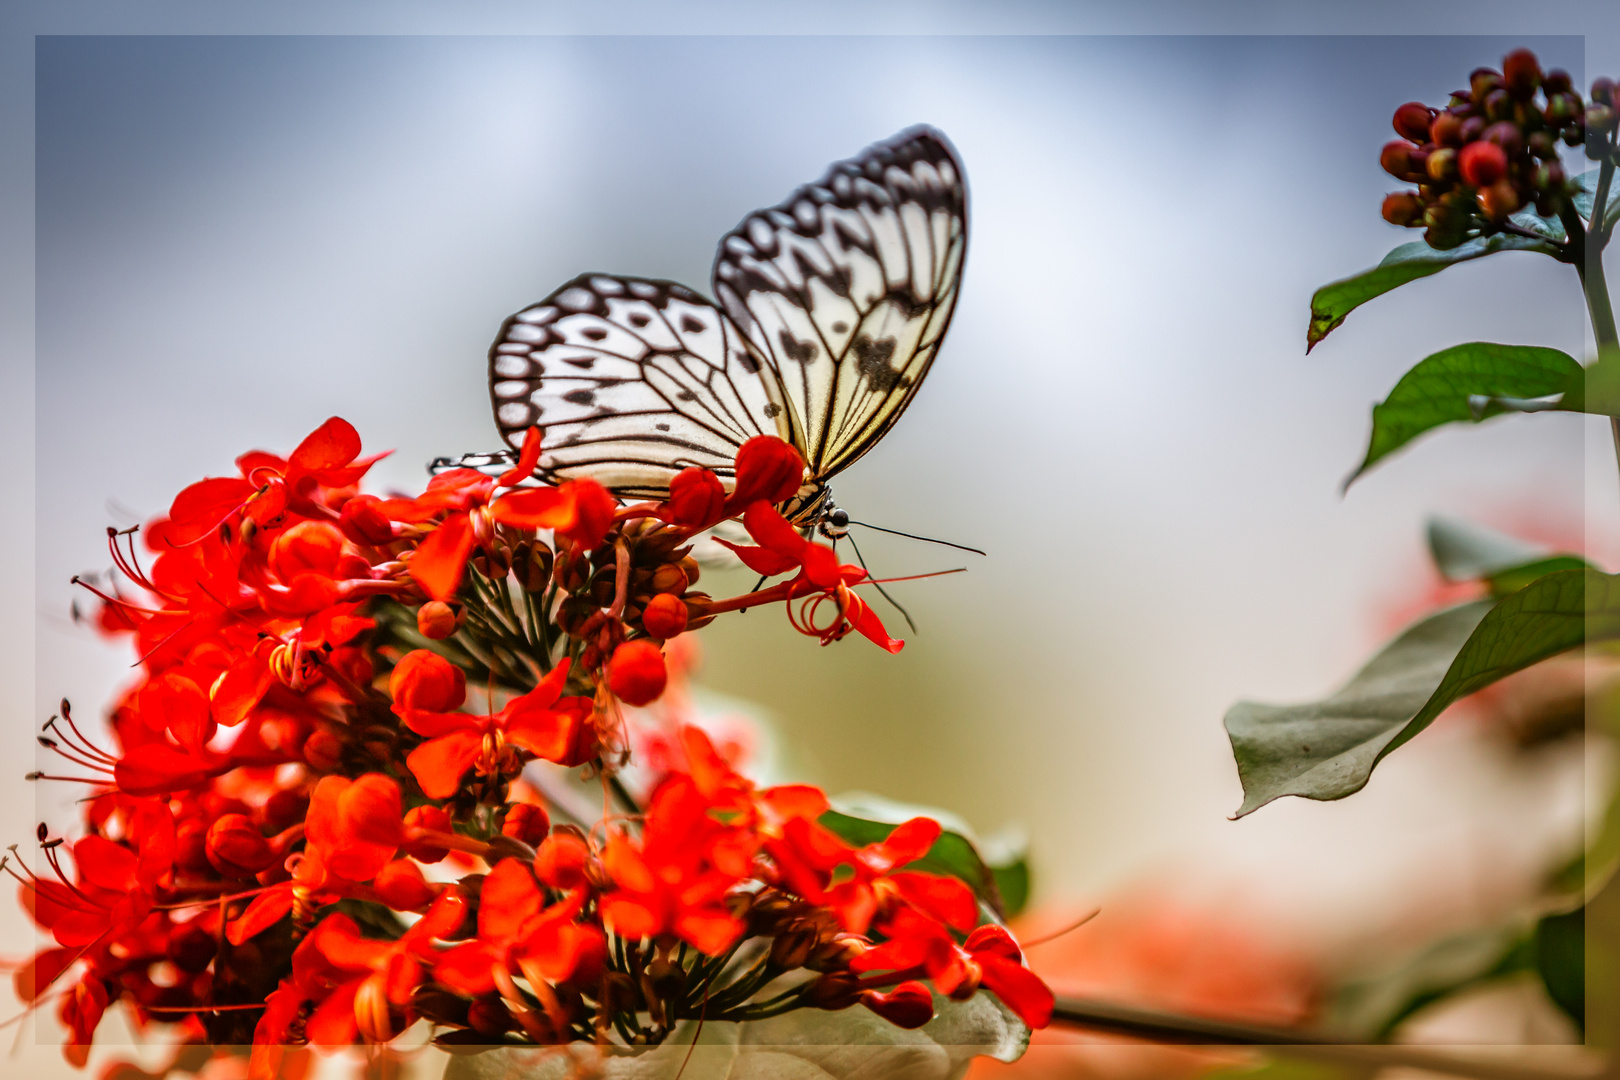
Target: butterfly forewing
[[632, 380], [848, 286]]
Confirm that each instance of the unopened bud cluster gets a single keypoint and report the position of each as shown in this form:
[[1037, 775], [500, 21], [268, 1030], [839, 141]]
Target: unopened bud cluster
[[1494, 150]]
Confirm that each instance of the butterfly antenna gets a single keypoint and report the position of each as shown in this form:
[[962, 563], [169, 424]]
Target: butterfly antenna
[[904, 614], [914, 536]]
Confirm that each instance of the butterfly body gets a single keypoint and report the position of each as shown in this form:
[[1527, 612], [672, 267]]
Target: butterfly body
[[830, 309]]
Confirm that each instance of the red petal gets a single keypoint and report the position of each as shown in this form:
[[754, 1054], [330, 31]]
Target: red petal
[[161, 769], [629, 918], [440, 763], [1019, 988], [267, 909], [105, 864], [199, 508], [528, 458], [866, 622], [43, 969], [712, 932], [439, 560], [465, 968], [242, 686], [509, 900], [943, 898], [908, 842], [760, 560], [333, 444]]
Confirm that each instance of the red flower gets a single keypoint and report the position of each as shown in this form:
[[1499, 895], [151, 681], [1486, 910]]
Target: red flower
[[990, 958], [542, 722], [812, 857], [517, 930]]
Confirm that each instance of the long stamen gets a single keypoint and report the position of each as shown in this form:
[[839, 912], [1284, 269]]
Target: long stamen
[[114, 601], [88, 747], [68, 753]]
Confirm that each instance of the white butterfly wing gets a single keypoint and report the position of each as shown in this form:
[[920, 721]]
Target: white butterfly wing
[[849, 285], [632, 380]]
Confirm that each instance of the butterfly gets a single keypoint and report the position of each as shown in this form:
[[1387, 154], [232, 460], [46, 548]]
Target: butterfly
[[829, 310]]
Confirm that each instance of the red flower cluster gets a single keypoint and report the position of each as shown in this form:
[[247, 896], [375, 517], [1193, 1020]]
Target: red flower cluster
[[307, 836]]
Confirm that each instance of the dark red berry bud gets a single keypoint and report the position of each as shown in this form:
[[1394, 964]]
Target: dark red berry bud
[[1561, 109], [1498, 105], [1599, 118], [526, 822], [1473, 128], [236, 847], [1550, 178], [1482, 82], [1403, 208], [1482, 163], [1395, 159], [1543, 145], [665, 617], [1442, 165], [1603, 90], [1499, 200], [1556, 81], [1447, 129], [1521, 73], [437, 620], [1443, 239], [1507, 136], [1412, 121]]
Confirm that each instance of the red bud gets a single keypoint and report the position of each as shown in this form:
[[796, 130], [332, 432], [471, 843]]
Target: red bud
[[1482, 163], [665, 616], [237, 848], [637, 674]]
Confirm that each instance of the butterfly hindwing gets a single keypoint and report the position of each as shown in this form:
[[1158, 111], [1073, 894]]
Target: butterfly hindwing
[[848, 286], [632, 380]]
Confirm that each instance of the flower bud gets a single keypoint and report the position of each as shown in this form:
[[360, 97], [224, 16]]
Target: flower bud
[[425, 818], [696, 498], [285, 809], [1412, 121], [1556, 81], [1400, 208], [792, 947], [833, 991], [437, 620], [191, 947], [1603, 90], [363, 523], [1498, 105], [1482, 163], [191, 847], [236, 847], [488, 1016], [665, 616], [1561, 109], [401, 886], [526, 822], [309, 547], [425, 680], [1542, 145], [1599, 118], [669, 578], [689, 566], [636, 674], [1549, 177], [1396, 159], [1482, 82], [1442, 165], [908, 1005], [1499, 200], [1506, 135], [323, 750], [1521, 73], [1473, 128], [562, 860], [1447, 129]]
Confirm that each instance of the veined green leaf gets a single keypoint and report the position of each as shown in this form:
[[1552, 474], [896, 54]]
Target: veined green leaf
[[1465, 383], [1333, 302], [1588, 182], [1327, 749], [1467, 551]]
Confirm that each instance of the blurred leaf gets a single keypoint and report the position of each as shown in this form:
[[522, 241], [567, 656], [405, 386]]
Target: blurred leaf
[[1333, 302], [1327, 749], [1588, 182], [1561, 961], [1467, 551], [1596, 389], [1012, 881], [953, 854], [1550, 227], [1465, 383]]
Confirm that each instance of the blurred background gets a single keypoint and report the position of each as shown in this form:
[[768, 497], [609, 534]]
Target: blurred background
[[240, 236]]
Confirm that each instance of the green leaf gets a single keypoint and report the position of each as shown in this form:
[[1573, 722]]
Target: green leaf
[[1588, 181], [1466, 551], [1012, 882], [1465, 383], [1595, 388], [1333, 302], [954, 854], [1327, 749], [1561, 961]]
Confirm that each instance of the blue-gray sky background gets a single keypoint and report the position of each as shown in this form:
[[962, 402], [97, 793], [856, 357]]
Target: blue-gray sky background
[[236, 237]]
